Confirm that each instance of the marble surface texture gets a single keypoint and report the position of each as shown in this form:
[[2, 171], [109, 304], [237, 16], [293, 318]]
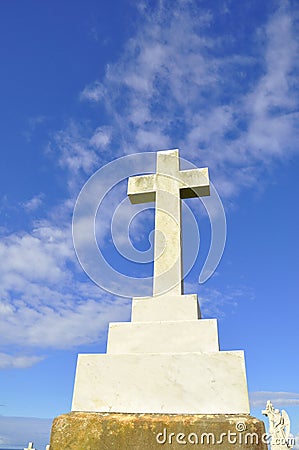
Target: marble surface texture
[[163, 337], [165, 308], [172, 383]]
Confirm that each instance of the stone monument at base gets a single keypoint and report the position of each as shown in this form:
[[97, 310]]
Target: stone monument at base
[[163, 380]]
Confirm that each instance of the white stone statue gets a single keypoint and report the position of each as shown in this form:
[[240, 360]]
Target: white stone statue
[[279, 427]]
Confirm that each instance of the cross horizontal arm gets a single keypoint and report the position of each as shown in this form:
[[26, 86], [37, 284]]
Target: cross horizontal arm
[[195, 183], [141, 189]]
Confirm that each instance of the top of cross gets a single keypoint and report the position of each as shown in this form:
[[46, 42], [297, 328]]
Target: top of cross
[[167, 187]]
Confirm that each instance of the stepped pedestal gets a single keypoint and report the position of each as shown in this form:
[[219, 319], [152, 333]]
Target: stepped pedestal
[[162, 382], [162, 366]]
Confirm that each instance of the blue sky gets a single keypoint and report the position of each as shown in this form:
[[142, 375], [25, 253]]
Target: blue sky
[[84, 83]]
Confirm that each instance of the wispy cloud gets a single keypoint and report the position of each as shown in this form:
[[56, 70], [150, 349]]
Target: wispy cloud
[[79, 151], [94, 92], [213, 302], [42, 302], [34, 203], [279, 399], [33, 124], [76, 153], [273, 103], [18, 361], [177, 86]]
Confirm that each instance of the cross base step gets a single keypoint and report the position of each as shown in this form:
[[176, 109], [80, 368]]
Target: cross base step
[[106, 431], [172, 383]]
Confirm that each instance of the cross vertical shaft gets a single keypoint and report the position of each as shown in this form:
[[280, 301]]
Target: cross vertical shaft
[[167, 250]]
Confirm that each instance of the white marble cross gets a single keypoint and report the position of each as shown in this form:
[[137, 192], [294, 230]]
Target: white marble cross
[[167, 187], [30, 446]]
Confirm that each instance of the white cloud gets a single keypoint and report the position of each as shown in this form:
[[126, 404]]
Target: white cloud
[[39, 256], [42, 302], [279, 399], [76, 153], [271, 104], [212, 301], [101, 137], [18, 362], [152, 139], [94, 92], [34, 203], [169, 89], [33, 124]]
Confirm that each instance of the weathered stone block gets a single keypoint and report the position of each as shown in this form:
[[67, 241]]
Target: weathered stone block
[[107, 431]]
